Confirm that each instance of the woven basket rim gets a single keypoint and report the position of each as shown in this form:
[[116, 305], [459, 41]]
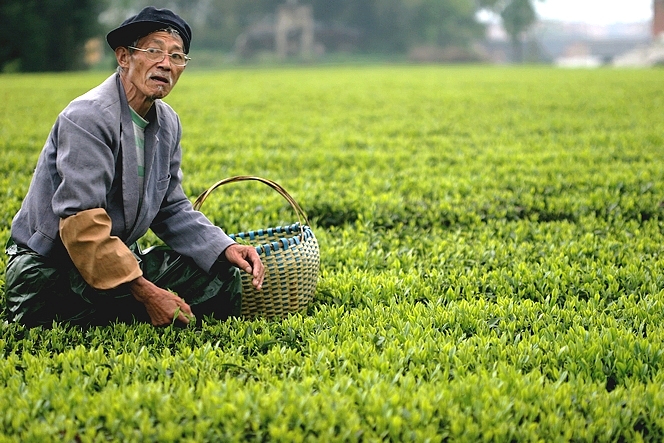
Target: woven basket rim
[[304, 233]]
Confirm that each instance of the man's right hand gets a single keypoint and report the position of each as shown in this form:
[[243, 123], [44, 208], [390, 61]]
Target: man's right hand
[[161, 304]]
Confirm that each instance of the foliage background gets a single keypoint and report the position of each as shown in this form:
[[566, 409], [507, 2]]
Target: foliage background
[[491, 263], [47, 35]]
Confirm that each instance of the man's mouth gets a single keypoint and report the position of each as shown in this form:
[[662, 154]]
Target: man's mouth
[[160, 79]]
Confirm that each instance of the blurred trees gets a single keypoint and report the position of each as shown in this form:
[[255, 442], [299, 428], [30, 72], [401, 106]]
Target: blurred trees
[[385, 25], [517, 17], [46, 35], [42, 35], [396, 25]]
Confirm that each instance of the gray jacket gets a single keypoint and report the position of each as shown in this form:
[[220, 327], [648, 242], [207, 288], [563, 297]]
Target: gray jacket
[[89, 161]]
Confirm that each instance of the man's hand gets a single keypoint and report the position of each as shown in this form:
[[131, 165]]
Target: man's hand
[[162, 305], [247, 259]]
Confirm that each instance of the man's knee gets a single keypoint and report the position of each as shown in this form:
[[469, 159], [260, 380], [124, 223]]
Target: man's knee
[[35, 293]]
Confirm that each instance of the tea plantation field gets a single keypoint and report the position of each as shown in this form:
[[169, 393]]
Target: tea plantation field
[[491, 263]]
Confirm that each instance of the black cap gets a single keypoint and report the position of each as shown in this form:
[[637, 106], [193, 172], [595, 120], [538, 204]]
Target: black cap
[[148, 20]]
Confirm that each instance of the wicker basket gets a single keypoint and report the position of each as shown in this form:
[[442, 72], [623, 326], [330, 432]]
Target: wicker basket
[[290, 255]]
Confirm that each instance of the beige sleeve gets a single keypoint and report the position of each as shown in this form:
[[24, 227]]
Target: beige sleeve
[[103, 260]]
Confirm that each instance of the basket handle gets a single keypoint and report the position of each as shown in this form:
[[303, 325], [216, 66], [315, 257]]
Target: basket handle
[[238, 178]]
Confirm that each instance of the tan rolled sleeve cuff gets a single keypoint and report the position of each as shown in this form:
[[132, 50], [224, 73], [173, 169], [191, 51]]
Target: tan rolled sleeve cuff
[[103, 260]]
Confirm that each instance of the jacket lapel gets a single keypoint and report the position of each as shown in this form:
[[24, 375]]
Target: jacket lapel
[[130, 195], [151, 143]]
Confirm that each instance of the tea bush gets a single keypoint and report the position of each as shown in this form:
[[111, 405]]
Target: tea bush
[[491, 263]]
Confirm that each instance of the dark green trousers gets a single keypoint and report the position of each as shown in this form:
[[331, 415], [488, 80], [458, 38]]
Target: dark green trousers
[[40, 290]]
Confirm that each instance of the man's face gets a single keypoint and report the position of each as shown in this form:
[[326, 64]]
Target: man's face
[[151, 79]]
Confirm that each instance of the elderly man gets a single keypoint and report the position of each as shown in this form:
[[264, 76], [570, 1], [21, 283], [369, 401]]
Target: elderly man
[[109, 171]]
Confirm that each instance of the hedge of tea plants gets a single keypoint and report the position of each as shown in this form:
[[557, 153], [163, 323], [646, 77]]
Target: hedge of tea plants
[[491, 263]]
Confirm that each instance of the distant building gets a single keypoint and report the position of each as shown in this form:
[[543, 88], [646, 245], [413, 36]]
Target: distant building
[[292, 32], [650, 53], [571, 44], [658, 18]]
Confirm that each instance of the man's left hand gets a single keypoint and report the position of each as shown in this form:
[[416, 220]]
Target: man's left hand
[[246, 258]]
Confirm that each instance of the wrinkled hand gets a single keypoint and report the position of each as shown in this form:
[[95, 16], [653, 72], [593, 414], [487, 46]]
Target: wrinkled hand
[[246, 258], [161, 304]]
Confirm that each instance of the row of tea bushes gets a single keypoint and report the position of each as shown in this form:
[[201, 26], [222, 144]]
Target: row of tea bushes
[[396, 370]]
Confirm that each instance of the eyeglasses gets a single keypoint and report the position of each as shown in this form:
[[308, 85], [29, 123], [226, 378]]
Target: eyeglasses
[[157, 55]]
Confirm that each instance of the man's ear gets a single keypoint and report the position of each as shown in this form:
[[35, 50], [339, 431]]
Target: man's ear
[[122, 56]]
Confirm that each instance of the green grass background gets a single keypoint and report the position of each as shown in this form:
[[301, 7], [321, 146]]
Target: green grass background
[[491, 265]]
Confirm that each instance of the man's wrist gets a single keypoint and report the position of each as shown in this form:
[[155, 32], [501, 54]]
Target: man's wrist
[[136, 288], [221, 263]]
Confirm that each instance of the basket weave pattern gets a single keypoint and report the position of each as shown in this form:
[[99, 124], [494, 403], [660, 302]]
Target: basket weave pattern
[[290, 255]]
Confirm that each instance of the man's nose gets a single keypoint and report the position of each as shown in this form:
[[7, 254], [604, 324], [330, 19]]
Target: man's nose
[[165, 63]]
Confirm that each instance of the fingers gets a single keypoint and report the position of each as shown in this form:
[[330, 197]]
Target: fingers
[[163, 307], [183, 311], [186, 309], [259, 275], [169, 310], [257, 269], [243, 264], [257, 272], [181, 317], [247, 259]]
